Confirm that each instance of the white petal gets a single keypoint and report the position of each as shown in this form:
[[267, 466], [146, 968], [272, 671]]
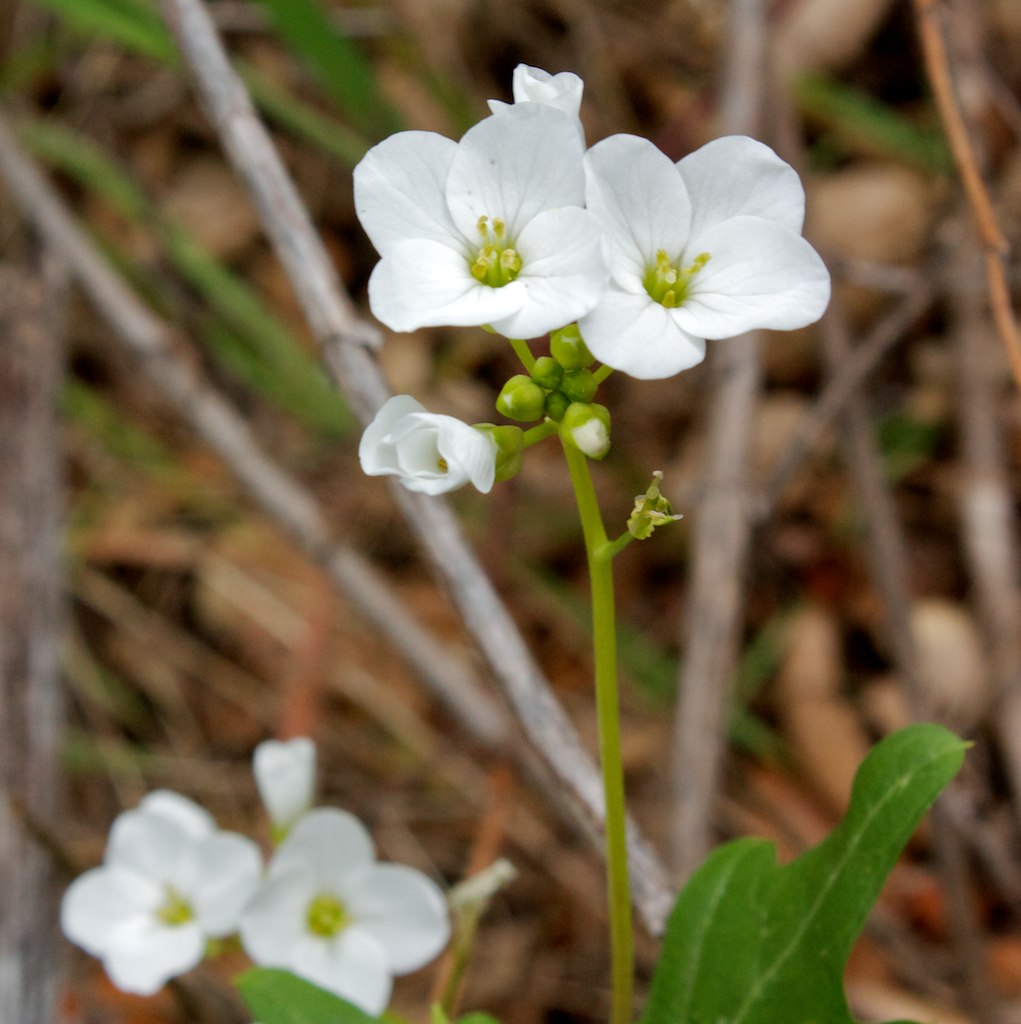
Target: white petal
[[229, 866], [638, 336], [327, 845], [153, 846], [563, 90], [100, 901], [759, 275], [144, 954], [563, 272], [196, 821], [375, 452], [470, 451], [638, 196], [425, 284], [275, 922], [404, 911], [736, 176], [400, 190], [353, 965], [285, 775], [514, 165]]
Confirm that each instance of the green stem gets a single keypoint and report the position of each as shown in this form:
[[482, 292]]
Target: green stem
[[539, 432], [602, 373], [600, 562], [523, 352]]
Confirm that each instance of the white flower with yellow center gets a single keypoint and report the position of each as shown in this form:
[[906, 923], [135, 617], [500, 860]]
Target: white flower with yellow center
[[169, 882], [707, 248], [487, 231], [427, 451], [330, 913]]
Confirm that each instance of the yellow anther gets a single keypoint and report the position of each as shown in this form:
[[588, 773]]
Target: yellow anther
[[442, 465], [510, 261], [483, 226], [499, 228]]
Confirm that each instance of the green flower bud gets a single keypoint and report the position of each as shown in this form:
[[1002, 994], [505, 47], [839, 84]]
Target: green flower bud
[[521, 399], [579, 385], [547, 373], [509, 446], [587, 428], [569, 350], [556, 405]]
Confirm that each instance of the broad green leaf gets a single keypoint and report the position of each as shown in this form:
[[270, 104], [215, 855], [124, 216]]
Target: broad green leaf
[[279, 997], [751, 942], [336, 61]]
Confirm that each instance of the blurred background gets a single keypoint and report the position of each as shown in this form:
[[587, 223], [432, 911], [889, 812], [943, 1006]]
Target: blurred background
[[847, 562]]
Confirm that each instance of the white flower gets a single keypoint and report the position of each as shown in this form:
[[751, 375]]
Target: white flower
[[169, 882], [427, 451], [707, 248], [533, 85], [488, 231], [285, 775], [329, 913]]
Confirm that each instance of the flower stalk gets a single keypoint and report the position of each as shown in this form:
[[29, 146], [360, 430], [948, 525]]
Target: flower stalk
[[600, 551]]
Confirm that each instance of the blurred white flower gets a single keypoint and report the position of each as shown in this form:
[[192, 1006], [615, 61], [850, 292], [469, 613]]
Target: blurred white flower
[[487, 231], [428, 452], [707, 248], [533, 85], [329, 913], [285, 773], [169, 882]]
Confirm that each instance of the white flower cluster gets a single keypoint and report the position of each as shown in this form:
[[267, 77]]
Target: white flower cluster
[[323, 909], [517, 228]]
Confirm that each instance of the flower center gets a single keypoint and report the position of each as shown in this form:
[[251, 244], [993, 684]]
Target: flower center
[[496, 262], [667, 283], [326, 916], [176, 910]]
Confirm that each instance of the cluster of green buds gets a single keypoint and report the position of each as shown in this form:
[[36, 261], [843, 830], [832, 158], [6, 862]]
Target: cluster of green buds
[[560, 389]]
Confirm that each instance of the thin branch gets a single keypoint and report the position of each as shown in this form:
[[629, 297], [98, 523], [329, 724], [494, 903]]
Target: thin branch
[[994, 245], [715, 608]]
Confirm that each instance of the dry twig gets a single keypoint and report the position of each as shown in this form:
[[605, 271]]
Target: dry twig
[[345, 340], [994, 245]]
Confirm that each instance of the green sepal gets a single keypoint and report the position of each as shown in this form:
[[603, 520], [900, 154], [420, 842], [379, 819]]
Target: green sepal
[[587, 428], [569, 350], [547, 373], [557, 403], [521, 399], [579, 385], [510, 442]]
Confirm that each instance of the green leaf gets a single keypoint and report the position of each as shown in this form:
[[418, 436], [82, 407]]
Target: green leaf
[[279, 997], [336, 61], [751, 942]]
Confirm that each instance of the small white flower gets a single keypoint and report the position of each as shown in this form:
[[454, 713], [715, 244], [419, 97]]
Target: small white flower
[[285, 775], [427, 451], [533, 85], [488, 231], [707, 248], [329, 913], [169, 881]]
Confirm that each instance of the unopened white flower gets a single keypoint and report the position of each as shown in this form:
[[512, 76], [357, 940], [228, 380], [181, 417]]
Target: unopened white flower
[[285, 773], [427, 451], [169, 882], [533, 85], [487, 231], [707, 248], [327, 911]]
